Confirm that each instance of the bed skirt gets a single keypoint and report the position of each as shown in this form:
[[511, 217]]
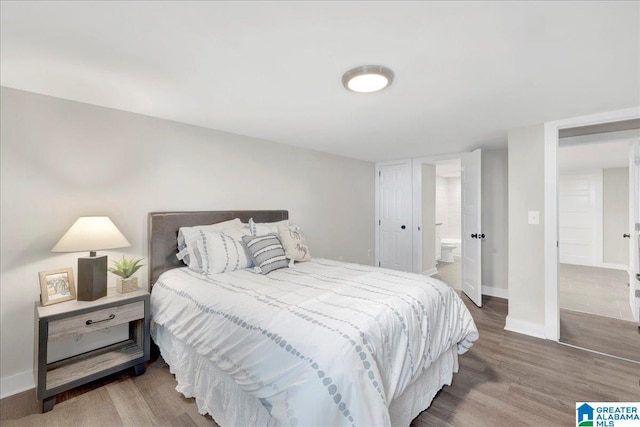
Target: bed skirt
[[218, 395]]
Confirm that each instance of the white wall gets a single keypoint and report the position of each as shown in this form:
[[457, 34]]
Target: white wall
[[495, 215], [428, 218], [441, 204], [454, 210], [448, 207], [62, 159], [526, 265], [615, 215]]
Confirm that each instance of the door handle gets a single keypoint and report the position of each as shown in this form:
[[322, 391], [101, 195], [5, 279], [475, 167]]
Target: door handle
[[403, 227], [626, 236]]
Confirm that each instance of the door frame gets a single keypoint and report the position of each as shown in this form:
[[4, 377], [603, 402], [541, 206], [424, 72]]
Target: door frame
[[634, 219], [377, 210], [417, 203], [551, 259]]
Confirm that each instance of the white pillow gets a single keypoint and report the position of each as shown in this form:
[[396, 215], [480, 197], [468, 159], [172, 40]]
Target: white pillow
[[263, 228], [295, 247], [187, 237], [223, 251]]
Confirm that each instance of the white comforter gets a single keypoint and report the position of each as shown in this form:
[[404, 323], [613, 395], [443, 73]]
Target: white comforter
[[324, 343]]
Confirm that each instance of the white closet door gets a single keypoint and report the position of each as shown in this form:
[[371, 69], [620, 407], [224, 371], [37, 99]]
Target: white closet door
[[395, 241], [580, 218]]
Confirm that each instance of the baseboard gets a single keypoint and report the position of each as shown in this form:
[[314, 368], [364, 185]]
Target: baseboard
[[525, 327], [601, 265], [16, 384], [430, 272], [495, 292], [614, 266]]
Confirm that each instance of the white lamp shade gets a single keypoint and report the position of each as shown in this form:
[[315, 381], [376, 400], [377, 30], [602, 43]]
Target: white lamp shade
[[91, 233]]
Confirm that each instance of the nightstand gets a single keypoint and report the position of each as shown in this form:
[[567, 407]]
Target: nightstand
[[74, 318]]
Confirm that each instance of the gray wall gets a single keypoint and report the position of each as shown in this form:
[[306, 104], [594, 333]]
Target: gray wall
[[615, 215], [526, 242], [495, 222], [62, 159], [428, 217]]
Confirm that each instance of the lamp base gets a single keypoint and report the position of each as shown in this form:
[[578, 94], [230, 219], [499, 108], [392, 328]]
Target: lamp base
[[92, 278]]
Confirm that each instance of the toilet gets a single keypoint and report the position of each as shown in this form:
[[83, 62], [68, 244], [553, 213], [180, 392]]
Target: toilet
[[447, 247]]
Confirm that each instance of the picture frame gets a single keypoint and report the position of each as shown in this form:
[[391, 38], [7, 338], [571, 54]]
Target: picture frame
[[57, 286]]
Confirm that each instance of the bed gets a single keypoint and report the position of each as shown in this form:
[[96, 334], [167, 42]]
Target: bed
[[322, 343]]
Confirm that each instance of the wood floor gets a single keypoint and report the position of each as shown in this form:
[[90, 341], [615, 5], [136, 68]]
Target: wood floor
[[506, 379], [599, 333]]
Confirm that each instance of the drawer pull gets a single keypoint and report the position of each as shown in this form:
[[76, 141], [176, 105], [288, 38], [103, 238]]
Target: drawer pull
[[91, 322]]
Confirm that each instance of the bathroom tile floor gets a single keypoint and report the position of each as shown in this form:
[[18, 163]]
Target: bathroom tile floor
[[594, 290], [450, 273]]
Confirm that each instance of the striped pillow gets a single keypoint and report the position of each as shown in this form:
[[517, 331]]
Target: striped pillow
[[267, 252], [222, 252], [188, 250]]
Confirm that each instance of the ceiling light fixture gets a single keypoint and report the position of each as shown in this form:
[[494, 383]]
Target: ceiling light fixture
[[367, 78]]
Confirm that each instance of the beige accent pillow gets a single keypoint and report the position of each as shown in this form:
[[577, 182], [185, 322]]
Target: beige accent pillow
[[295, 247]]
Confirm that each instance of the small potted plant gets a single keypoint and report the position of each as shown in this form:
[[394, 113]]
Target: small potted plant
[[125, 269]]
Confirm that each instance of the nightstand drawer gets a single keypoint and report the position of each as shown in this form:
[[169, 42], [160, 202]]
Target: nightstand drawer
[[99, 319]]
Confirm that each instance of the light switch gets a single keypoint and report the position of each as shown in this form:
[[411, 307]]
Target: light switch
[[534, 217]]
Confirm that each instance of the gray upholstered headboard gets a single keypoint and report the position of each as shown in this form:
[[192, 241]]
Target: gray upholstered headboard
[[163, 233]]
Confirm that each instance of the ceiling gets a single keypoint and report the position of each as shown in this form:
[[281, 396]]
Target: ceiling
[[465, 72]]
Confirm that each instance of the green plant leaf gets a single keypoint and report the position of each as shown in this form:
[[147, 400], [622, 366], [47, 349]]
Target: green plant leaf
[[125, 268]]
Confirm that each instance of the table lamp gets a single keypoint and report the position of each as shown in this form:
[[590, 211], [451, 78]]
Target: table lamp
[[91, 233]]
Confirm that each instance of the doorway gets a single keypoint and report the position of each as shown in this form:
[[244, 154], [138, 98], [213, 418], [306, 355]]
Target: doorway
[[619, 120], [471, 236], [585, 253], [448, 222], [593, 213]]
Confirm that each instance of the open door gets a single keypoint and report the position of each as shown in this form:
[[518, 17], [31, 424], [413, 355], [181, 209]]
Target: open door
[[471, 227], [634, 230]]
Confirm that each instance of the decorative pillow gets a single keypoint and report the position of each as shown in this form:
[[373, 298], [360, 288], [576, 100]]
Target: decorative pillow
[[224, 251], [262, 228], [295, 247], [188, 236], [266, 252]]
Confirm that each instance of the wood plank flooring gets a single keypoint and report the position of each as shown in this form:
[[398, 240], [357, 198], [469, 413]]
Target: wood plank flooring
[[506, 379], [604, 334]]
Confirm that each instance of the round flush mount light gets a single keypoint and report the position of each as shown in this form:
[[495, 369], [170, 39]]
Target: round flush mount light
[[367, 78]]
